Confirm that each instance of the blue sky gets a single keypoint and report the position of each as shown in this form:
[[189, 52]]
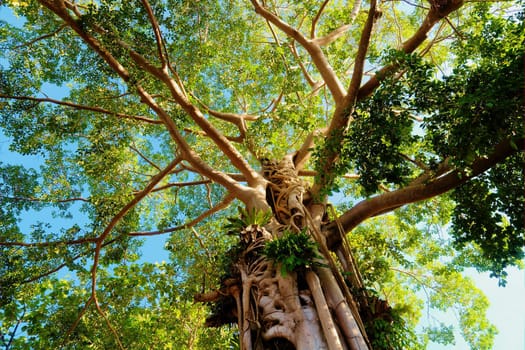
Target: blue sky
[[507, 309]]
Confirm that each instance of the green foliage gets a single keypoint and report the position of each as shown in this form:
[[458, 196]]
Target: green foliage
[[142, 300], [401, 257], [489, 213], [390, 332], [292, 251], [384, 121]]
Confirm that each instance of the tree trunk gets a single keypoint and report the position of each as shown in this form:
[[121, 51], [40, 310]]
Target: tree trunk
[[308, 308]]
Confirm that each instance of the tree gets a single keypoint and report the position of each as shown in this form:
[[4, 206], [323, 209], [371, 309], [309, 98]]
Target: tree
[[230, 127]]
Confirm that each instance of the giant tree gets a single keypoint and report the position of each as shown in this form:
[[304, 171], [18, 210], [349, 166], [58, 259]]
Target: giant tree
[[231, 127]]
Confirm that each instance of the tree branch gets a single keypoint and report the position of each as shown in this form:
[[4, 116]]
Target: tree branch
[[314, 84], [157, 32], [337, 33], [332, 36], [150, 162], [60, 9], [219, 206], [391, 200], [45, 36], [239, 120], [318, 57], [316, 19], [340, 120], [181, 184], [303, 154], [81, 107], [434, 15]]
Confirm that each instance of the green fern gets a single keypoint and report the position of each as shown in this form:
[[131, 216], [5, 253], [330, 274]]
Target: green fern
[[292, 251]]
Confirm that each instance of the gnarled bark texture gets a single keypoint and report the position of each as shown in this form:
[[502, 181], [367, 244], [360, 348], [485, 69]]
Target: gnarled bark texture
[[303, 309]]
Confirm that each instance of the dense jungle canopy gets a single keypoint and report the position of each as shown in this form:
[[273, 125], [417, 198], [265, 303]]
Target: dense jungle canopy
[[322, 172]]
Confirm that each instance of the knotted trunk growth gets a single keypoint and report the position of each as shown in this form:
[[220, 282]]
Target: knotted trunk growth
[[274, 305]]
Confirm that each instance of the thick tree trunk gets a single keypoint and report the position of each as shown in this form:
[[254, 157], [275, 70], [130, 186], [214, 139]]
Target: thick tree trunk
[[303, 309]]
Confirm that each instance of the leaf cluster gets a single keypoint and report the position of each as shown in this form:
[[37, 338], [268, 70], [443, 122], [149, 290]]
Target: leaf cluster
[[292, 251], [390, 332], [489, 213], [246, 218], [379, 135]]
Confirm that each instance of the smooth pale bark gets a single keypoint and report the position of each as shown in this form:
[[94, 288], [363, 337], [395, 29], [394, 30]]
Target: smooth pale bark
[[329, 328], [338, 303]]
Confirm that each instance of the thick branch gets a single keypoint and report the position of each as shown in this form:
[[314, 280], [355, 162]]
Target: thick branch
[[332, 36], [158, 34], [59, 8], [303, 154], [318, 57], [239, 120], [343, 112], [359, 63], [392, 200], [434, 15], [181, 184]]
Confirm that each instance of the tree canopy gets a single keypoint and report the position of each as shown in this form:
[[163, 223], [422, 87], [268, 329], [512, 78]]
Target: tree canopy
[[402, 121]]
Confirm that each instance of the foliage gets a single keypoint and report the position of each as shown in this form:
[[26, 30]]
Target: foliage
[[391, 333], [498, 228], [292, 251], [403, 263], [246, 218]]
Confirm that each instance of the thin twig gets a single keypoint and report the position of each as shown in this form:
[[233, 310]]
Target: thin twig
[[201, 243], [150, 162], [221, 205], [31, 42], [81, 107], [77, 320]]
